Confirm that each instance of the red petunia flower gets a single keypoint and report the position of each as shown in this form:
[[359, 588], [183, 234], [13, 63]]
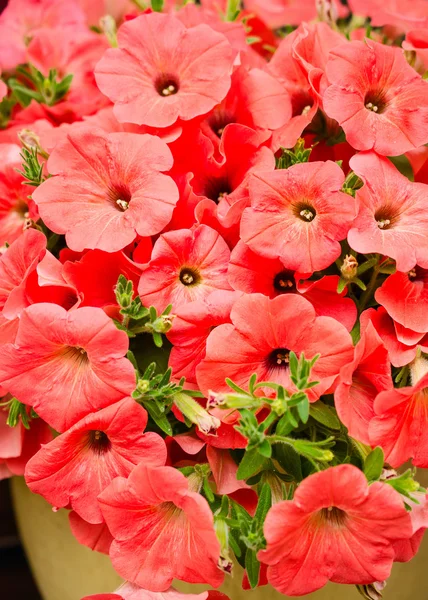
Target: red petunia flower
[[277, 13], [16, 209], [96, 536], [78, 465], [294, 215], [405, 298], [161, 529], [107, 189], [252, 273], [400, 424], [163, 71], [186, 265], [336, 528], [192, 325], [380, 101], [66, 365], [397, 13], [260, 337], [360, 382], [392, 218]]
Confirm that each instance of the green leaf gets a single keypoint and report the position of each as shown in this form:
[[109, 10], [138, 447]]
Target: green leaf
[[157, 338], [265, 449], [252, 567], [159, 418], [264, 504], [403, 165], [303, 410], [324, 415], [313, 450], [251, 463], [289, 460], [373, 464]]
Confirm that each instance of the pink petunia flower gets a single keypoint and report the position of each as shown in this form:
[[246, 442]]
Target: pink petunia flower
[[79, 464], [380, 101], [399, 425], [186, 265], [16, 209], [405, 298], [96, 536], [336, 528], [161, 529], [397, 13], [163, 71], [392, 218], [277, 13], [252, 273], [107, 189], [129, 591], [22, 18], [66, 365], [361, 381], [260, 337], [294, 215]]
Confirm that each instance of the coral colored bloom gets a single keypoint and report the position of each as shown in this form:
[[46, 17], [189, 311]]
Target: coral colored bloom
[[96, 536], [162, 530], [15, 207], [400, 424], [399, 13], [294, 215], [186, 265], [405, 298], [192, 325], [18, 445], [79, 464], [107, 189], [336, 528], [359, 383], [260, 337], [163, 71], [66, 365], [380, 101], [401, 351], [277, 13], [22, 18], [392, 218], [417, 41], [252, 273]]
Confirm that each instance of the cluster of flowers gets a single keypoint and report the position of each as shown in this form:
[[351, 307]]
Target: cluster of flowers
[[214, 284]]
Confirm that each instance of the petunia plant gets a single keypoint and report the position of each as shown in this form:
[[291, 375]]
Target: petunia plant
[[214, 286]]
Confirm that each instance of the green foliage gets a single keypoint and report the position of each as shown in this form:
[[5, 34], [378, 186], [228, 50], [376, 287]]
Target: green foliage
[[30, 84], [373, 465], [299, 154], [32, 169]]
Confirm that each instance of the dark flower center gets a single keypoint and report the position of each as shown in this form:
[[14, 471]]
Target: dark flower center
[[336, 517], [166, 85], [284, 282], [278, 358], [120, 196], [386, 217], [189, 277], [216, 189], [375, 102], [99, 442], [418, 275], [304, 211], [218, 121], [301, 103]]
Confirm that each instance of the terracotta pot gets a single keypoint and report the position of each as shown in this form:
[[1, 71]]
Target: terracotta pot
[[65, 570]]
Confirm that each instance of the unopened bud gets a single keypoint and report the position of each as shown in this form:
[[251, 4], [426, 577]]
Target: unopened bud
[[327, 11], [372, 591], [349, 267], [221, 529], [196, 414], [215, 400], [418, 369], [277, 487], [143, 386], [31, 141]]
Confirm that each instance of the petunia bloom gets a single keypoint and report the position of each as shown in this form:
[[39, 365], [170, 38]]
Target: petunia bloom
[[380, 101], [399, 425], [186, 265], [161, 529], [66, 365], [260, 338], [392, 218], [336, 528], [360, 382], [79, 464], [129, 591], [107, 189], [163, 71], [294, 215]]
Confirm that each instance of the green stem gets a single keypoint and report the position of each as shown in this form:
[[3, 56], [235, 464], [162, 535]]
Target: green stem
[[368, 294]]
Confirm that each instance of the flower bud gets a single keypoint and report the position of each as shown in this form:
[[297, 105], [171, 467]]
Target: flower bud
[[196, 414], [372, 591], [349, 267], [418, 368], [109, 28], [221, 528]]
